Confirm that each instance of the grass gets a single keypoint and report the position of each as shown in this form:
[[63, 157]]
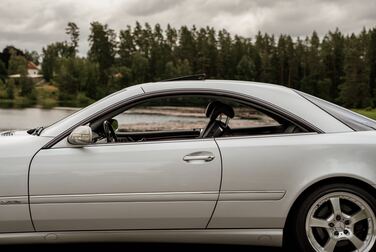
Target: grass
[[371, 113], [47, 95]]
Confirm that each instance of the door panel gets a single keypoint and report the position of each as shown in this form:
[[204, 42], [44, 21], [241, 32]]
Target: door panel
[[260, 176], [124, 186]]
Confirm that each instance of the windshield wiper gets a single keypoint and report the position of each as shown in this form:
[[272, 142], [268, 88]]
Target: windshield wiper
[[39, 131], [36, 131]]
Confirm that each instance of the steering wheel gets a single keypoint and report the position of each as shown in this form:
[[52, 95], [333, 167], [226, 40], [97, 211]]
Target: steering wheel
[[109, 132]]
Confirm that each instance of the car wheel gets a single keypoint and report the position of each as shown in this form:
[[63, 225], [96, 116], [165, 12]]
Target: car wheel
[[337, 217]]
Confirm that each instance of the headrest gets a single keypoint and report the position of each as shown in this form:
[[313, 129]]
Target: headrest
[[210, 107], [214, 109]]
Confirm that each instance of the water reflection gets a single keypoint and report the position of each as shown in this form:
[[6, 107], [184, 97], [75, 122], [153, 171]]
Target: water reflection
[[28, 118]]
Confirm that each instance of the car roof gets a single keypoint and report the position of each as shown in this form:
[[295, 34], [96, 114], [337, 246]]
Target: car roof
[[212, 84]]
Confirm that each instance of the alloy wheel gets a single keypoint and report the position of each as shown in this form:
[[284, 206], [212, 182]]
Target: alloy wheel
[[341, 221]]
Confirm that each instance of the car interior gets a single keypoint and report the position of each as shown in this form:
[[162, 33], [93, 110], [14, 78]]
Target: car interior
[[218, 114]]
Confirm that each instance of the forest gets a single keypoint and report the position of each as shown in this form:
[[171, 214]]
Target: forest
[[337, 67]]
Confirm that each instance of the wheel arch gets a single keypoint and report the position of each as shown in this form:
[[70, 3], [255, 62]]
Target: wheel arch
[[339, 179]]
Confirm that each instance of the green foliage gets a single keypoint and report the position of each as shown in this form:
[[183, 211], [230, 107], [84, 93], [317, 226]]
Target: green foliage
[[3, 93], [57, 50], [246, 69], [3, 71], [32, 56], [355, 91], [17, 65], [47, 95], [50, 55], [333, 57], [11, 89], [181, 68], [68, 76], [371, 62], [323, 88], [27, 87], [76, 75], [73, 32], [91, 81], [120, 78], [102, 49], [139, 68], [338, 67], [82, 100]]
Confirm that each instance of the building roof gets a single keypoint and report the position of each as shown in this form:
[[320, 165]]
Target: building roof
[[32, 66]]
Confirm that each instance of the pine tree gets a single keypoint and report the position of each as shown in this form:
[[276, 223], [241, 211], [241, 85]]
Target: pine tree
[[74, 33], [355, 90], [102, 49], [333, 55], [312, 66], [126, 46], [246, 70], [224, 55], [371, 62]]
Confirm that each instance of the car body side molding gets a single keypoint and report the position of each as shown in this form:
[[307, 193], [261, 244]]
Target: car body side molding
[[148, 197]]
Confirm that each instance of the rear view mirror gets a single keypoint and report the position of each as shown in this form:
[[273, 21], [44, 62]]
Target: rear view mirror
[[81, 135]]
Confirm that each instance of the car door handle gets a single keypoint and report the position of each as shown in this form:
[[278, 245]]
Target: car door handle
[[199, 157]]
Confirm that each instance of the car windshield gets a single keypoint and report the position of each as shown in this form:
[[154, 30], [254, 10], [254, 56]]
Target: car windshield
[[353, 120]]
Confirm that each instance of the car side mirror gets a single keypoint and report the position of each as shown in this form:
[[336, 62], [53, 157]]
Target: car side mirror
[[81, 135]]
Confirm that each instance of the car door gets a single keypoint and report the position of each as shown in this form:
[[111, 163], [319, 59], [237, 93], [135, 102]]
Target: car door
[[260, 169], [257, 173], [139, 185]]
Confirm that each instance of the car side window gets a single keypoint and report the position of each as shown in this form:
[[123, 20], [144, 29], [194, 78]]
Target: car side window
[[165, 114], [189, 117], [246, 116]]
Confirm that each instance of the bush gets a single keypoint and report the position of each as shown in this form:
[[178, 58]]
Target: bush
[[47, 95], [83, 100], [10, 89], [26, 85], [3, 93], [48, 103]]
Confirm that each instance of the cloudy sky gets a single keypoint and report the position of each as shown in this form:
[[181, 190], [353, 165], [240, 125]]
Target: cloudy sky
[[33, 24]]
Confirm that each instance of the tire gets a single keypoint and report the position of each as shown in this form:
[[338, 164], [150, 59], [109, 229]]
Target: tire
[[335, 217]]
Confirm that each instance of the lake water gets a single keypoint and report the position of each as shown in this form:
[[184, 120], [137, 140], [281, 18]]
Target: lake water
[[31, 117]]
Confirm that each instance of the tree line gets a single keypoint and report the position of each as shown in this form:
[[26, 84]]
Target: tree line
[[337, 67]]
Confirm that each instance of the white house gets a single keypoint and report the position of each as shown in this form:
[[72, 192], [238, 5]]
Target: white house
[[32, 71]]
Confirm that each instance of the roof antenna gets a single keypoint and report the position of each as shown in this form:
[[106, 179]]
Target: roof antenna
[[201, 76]]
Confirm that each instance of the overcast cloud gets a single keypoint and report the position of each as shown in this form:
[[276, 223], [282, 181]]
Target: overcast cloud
[[33, 24]]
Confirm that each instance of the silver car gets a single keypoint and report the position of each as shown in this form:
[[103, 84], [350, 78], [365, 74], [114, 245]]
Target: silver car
[[202, 161]]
